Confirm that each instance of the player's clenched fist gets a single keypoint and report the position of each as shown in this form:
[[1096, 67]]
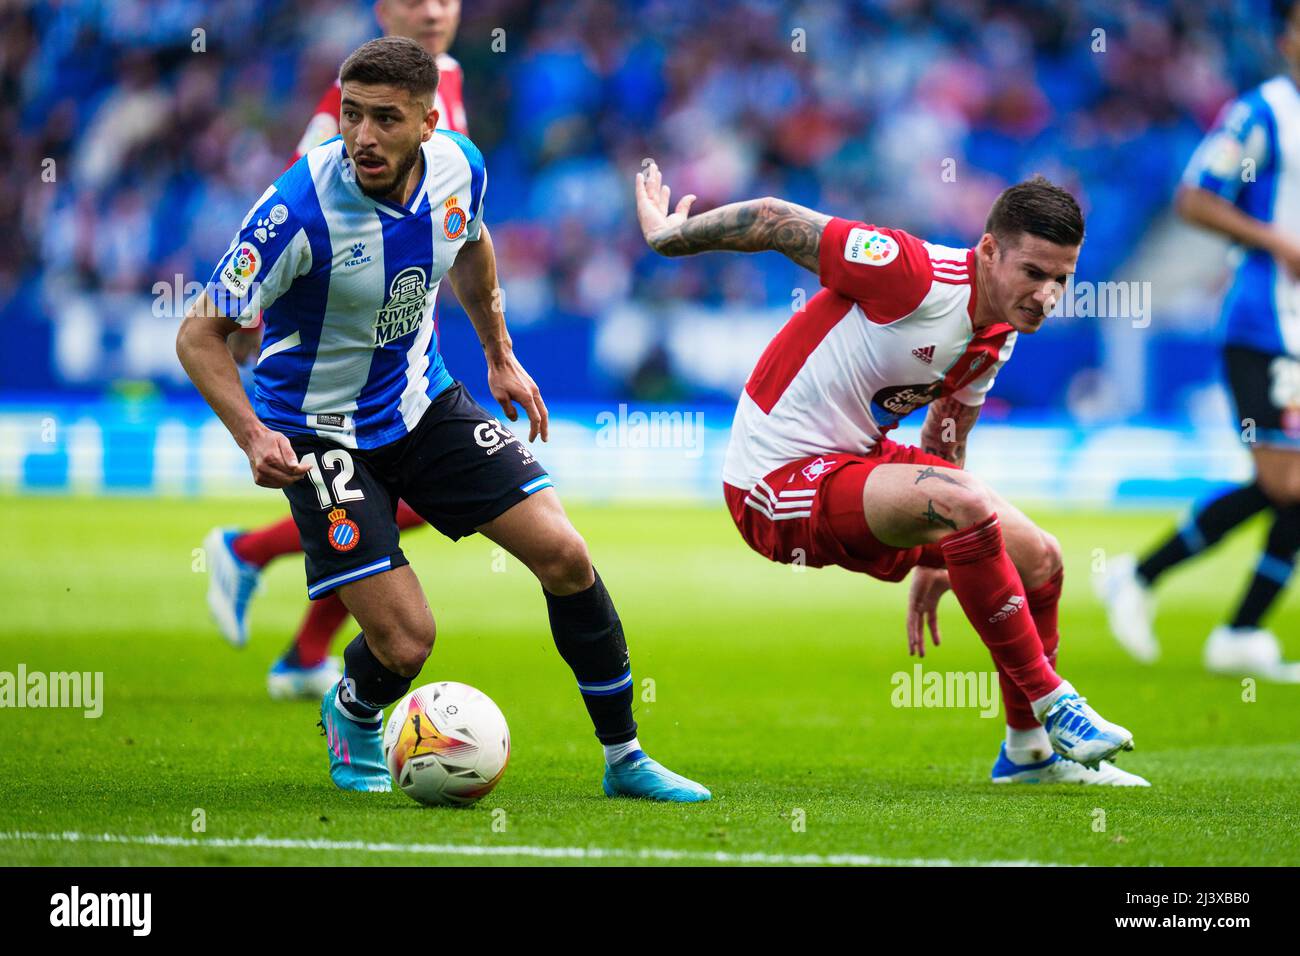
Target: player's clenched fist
[[273, 461], [652, 205]]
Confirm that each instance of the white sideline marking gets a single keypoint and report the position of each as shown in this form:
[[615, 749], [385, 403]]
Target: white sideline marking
[[540, 852]]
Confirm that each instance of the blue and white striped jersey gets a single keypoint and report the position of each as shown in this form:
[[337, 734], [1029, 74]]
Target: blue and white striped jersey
[[346, 285], [1252, 159]]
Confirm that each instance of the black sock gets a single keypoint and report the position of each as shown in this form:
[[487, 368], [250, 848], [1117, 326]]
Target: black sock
[[1274, 568], [589, 636], [368, 686], [1208, 524]]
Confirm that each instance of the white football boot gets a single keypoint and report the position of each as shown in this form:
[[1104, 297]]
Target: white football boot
[[1056, 769], [1249, 652], [1079, 733], [1130, 607]]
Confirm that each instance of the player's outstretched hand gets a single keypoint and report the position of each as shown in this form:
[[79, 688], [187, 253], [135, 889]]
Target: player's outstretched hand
[[273, 460], [928, 585], [652, 205], [509, 384]]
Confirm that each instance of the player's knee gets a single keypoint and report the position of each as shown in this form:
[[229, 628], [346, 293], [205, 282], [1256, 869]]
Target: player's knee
[[1281, 486], [406, 641], [411, 651], [1287, 494], [1052, 561], [969, 502], [566, 568], [1039, 560]]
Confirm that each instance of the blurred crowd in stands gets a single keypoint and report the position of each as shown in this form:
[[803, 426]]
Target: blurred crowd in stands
[[138, 133]]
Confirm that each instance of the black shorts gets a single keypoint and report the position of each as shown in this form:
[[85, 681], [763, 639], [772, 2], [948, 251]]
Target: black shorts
[[1266, 390], [458, 469]]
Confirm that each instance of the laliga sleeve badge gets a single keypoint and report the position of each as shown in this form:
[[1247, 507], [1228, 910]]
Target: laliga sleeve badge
[[453, 224], [344, 535], [869, 247]]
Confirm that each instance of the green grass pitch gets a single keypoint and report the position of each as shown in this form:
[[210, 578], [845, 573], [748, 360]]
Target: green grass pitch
[[772, 686]]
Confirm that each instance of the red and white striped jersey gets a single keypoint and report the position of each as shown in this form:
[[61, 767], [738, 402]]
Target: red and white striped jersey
[[890, 331], [449, 101]]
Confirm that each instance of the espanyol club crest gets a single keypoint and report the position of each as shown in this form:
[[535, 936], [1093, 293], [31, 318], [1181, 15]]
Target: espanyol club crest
[[343, 535], [454, 222]]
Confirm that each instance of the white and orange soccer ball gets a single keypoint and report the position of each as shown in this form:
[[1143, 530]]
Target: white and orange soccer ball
[[446, 744]]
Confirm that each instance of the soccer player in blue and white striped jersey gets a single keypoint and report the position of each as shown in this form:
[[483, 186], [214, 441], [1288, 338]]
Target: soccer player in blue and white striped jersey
[[354, 407], [1244, 183]]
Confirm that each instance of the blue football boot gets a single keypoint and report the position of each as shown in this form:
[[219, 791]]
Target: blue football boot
[[356, 750], [637, 775], [289, 681], [231, 585]]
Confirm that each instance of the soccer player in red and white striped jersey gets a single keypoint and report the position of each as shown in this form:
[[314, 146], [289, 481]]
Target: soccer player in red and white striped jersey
[[237, 558], [811, 476]]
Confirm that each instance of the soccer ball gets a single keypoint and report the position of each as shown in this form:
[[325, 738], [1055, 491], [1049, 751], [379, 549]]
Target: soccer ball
[[446, 744]]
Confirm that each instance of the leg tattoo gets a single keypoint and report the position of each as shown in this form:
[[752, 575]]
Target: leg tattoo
[[934, 517], [929, 471]]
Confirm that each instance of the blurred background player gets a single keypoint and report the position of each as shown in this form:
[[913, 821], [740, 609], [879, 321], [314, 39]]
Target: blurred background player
[[237, 558], [1244, 183], [810, 476]]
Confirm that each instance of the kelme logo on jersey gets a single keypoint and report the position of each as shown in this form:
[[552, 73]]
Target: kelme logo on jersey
[[266, 224], [404, 311], [358, 256], [870, 248], [454, 222], [343, 534], [242, 268]]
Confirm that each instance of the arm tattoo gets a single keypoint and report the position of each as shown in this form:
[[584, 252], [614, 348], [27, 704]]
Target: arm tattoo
[[753, 226], [947, 424], [934, 517]]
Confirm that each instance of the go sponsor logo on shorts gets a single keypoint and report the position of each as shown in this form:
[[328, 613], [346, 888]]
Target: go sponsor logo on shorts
[[493, 436]]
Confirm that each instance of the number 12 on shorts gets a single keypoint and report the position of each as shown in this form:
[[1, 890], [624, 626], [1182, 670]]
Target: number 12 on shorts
[[336, 459]]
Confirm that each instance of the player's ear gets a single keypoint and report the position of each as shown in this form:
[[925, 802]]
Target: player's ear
[[430, 123], [987, 247]]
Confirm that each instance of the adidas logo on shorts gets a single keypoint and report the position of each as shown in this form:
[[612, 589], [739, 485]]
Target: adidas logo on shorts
[[1014, 604]]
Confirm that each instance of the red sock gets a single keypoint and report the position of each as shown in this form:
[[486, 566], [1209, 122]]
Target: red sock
[[260, 545], [988, 588], [406, 517], [1043, 603], [319, 625]]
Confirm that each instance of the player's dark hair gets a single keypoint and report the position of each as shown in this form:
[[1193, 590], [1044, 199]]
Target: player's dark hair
[[393, 61], [1282, 10], [1037, 207]]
